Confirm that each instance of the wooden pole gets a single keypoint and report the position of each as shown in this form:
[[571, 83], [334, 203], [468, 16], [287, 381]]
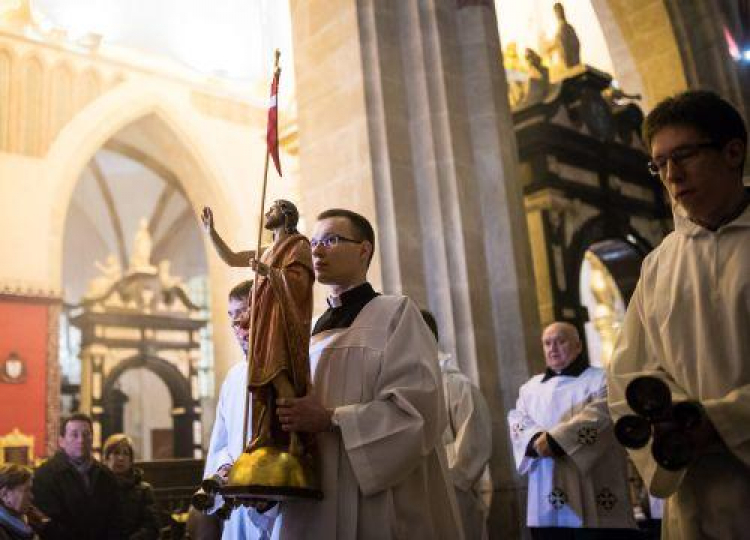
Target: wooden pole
[[276, 71]]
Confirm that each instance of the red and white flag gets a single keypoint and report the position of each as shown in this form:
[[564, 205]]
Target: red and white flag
[[272, 132]]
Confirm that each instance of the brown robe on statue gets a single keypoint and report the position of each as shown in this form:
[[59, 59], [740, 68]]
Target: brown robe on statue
[[281, 324]]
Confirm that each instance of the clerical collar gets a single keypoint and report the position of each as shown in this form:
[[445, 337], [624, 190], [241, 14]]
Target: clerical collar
[[574, 369], [344, 309]]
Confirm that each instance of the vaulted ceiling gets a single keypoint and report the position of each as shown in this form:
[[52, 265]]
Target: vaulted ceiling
[[122, 185]]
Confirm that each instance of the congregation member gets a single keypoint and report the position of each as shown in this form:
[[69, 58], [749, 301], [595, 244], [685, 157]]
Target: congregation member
[[79, 494], [563, 441], [688, 320], [376, 405], [467, 440], [15, 503], [140, 520]]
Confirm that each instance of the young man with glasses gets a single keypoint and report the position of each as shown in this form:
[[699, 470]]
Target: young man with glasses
[[376, 406], [688, 319]]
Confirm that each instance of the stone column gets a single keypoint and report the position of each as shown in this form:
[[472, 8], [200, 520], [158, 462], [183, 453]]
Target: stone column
[[403, 116], [512, 332]]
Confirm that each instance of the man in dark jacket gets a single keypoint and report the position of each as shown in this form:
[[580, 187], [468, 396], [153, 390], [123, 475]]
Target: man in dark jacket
[[78, 493]]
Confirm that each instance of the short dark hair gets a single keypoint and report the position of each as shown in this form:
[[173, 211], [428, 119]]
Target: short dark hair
[[13, 475], [291, 215], [359, 222], [75, 417], [705, 111], [241, 291], [430, 320]]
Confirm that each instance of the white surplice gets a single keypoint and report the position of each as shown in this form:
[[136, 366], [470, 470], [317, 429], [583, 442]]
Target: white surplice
[[587, 487], [468, 446], [383, 470], [688, 323], [226, 446]]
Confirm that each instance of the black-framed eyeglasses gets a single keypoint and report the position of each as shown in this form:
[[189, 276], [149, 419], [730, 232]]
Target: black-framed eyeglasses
[[331, 240], [658, 166]]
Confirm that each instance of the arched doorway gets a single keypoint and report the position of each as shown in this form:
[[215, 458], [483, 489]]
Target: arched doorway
[[608, 276], [154, 439]]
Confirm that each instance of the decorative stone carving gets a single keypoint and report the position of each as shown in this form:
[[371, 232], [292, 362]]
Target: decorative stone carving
[[111, 272], [140, 258], [537, 85], [13, 369], [565, 49]]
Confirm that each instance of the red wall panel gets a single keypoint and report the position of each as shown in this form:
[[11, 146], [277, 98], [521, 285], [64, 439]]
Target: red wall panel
[[24, 328]]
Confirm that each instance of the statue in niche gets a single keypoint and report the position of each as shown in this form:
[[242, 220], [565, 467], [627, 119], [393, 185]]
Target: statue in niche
[[140, 258], [565, 50], [111, 272]]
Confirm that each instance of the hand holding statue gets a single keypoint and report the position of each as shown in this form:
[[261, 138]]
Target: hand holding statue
[[258, 266], [304, 414]]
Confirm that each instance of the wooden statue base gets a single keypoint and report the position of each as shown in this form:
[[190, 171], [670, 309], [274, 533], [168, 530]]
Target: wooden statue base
[[245, 495]]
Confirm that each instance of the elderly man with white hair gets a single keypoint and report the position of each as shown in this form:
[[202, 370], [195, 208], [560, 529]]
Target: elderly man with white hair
[[563, 441]]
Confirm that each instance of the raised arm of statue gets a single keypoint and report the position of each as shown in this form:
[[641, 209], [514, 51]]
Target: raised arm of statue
[[232, 258]]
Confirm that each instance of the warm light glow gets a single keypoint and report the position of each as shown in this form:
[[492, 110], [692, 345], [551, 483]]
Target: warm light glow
[[232, 39], [531, 23]]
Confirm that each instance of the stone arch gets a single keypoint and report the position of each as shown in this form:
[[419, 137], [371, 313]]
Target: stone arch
[[102, 119], [597, 229], [87, 87], [640, 37], [179, 391], [668, 46]]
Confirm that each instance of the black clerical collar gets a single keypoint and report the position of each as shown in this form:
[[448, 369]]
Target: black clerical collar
[[574, 369], [357, 294], [344, 309]]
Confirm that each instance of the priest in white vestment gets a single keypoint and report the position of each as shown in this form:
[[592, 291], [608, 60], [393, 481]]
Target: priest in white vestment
[[688, 322], [226, 436], [563, 441], [467, 440], [376, 406]]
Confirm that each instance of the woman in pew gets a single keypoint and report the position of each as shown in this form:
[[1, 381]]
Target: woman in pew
[[137, 502]]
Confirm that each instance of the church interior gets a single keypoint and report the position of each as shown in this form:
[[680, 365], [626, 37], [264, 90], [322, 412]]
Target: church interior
[[507, 184]]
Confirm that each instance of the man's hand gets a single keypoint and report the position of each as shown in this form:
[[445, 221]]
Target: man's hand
[[258, 266], [207, 217], [305, 414], [223, 471], [542, 447]]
